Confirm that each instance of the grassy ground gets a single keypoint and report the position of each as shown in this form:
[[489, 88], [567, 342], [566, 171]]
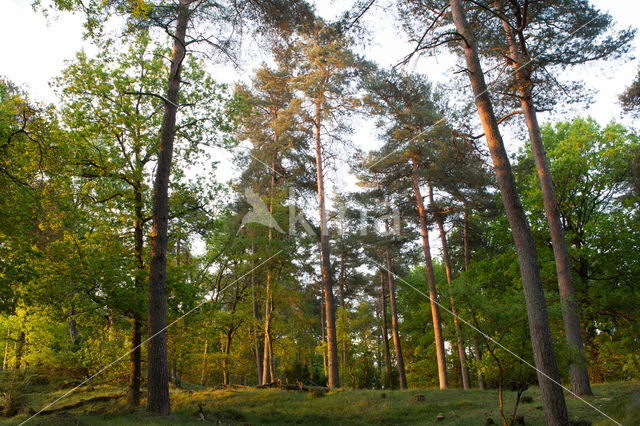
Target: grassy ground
[[250, 406]]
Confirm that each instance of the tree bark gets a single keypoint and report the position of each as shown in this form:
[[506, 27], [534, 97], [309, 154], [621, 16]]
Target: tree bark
[[158, 370], [135, 361], [5, 359], [71, 324], [431, 281], [395, 333], [225, 359], [205, 359], [477, 352], [19, 349], [578, 367], [266, 360], [325, 254], [385, 332], [135, 357], [267, 363], [259, 346], [323, 336], [462, 357], [344, 349], [548, 378]]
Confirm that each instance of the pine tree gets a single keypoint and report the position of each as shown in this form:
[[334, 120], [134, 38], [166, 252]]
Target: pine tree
[[326, 70], [548, 376]]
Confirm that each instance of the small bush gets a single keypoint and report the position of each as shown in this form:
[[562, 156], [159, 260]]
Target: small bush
[[526, 399]]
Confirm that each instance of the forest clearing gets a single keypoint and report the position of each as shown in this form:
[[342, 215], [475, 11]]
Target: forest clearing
[[245, 405], [320, 212]]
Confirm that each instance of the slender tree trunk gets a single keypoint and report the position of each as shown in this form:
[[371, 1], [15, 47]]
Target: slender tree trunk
[[5, 359], [205, 361], [19, 349], [72, 326], [551, 393], [135, 357], [225, 360], [578, 367], [385, 332], [395, 333], [267, 363], [266, 360], [462, 357], [431, 281], [477, 352], [259, 346], [272, 372], [323, 336], [157, 368], [325, 254], [135, 361], [344, 343]]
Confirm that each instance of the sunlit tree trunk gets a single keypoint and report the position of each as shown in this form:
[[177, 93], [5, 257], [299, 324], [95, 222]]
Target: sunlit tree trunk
[[431, 281], [135, 357], [477, 351], [462, 357], [258, 345], [266, 360], [323, 337], [395, 333], [385, 332], [548, 378], [325, 254], [578, 367], [5, 358], [157, 366], [205, 361], [18, 350]]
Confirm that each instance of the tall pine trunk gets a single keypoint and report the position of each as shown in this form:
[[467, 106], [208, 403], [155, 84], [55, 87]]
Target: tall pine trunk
[[135, 360], [385, 332], [578, 367], [551, 393], [135, 357], [462, 357], [323, 336], [267, 360], [157, 367], [477, 351], [325, 255], [431, 280], [395, 332], [258, 345]]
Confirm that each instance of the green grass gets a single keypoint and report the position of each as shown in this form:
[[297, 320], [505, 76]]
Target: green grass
[[348, 407]]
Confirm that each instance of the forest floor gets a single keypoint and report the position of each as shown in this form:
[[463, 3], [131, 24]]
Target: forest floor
[[238, 405]]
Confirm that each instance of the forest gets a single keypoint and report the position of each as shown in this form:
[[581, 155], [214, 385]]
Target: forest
[[178, 249]]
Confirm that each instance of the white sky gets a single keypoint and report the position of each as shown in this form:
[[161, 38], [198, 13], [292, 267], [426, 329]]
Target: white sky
[[34, 50]]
